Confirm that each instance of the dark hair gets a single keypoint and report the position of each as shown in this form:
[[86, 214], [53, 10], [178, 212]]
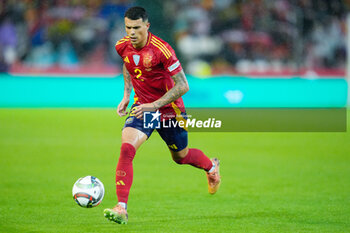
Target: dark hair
[[135, 13]]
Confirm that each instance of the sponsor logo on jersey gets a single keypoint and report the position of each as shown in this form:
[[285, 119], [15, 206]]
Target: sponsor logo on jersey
[[174, 66], [126, 59], [136, 59]]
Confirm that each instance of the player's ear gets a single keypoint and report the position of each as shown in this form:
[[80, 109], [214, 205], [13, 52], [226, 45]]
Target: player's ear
[[148, 25]]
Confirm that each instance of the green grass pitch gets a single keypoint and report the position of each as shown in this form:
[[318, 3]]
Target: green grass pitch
[[271, 182]]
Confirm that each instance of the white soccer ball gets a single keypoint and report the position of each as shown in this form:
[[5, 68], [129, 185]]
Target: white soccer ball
[[88, 191]]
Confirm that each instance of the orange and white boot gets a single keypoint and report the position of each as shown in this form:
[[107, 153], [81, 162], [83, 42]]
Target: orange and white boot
[[214, 179], [118, 214]]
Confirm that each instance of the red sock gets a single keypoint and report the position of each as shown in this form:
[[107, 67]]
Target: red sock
[[197, 159], [124, 172]]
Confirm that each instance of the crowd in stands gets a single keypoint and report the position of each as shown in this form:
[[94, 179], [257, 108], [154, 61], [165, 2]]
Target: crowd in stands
[[210, 36], [261, 35], [60, 33]]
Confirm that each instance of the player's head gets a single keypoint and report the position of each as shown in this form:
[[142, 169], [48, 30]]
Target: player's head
[[136, 26]]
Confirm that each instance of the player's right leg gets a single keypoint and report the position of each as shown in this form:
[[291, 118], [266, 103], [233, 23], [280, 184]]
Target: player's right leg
[[133, 135], [131, 140]]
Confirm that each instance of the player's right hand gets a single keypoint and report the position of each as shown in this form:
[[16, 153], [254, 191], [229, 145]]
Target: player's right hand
[[121, 110]]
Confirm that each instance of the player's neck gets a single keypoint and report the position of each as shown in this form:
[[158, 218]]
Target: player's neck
[[142, 44]]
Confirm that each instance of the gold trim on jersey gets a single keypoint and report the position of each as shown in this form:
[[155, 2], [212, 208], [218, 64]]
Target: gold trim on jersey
[[179, 117], [161, 43], [149, 38], [162, 47], [121, 41], [136, 99], [178, 112]]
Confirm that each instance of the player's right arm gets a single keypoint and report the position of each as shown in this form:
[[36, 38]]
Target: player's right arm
[[180, 88], [127, 91]]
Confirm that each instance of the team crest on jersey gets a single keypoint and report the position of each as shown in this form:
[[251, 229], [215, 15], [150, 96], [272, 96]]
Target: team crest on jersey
[[136, 59], [147, 60]]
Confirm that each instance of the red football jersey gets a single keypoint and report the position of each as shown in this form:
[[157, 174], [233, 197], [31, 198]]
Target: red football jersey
[[151, 68]]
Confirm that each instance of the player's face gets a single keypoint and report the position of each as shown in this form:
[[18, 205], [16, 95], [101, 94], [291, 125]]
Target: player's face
[[137, 30]]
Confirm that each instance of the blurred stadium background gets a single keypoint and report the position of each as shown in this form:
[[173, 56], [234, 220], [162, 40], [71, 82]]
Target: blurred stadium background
[[210, 36], [237, 41], [60, 83]]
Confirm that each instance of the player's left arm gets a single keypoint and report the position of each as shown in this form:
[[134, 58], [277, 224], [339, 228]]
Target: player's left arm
[[179, 89]]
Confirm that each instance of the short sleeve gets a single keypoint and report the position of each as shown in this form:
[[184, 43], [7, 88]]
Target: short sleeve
[[120, 46], [170, 62]]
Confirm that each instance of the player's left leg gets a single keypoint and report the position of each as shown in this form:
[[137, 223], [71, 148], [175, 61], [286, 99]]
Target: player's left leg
[[197, 158], [177, 139], [192, 156]]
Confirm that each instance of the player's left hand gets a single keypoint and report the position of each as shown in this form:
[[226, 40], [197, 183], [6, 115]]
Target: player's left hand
[[143, 108]]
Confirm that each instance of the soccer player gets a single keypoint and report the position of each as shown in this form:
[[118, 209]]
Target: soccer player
[[152, 69]]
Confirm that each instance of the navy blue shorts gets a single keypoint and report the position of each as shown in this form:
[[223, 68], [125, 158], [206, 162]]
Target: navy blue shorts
[[175, 137]]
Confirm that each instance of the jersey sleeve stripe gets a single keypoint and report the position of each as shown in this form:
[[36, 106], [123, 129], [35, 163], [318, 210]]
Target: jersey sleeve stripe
[[122, 41], [161, 49], [162, 45], [149, 39]]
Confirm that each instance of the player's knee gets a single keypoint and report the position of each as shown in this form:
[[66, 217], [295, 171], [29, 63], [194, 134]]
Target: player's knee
[[179, 156], [127, 152], [178, 160]]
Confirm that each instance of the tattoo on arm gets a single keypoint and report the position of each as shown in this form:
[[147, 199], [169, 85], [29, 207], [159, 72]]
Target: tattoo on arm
[[180, 88], [127, 83]]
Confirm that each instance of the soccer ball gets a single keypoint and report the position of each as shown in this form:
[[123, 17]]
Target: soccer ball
[[88, 191]]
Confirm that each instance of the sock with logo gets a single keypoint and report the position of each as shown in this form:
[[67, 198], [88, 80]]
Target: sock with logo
[[197, 158], [124, 172]]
